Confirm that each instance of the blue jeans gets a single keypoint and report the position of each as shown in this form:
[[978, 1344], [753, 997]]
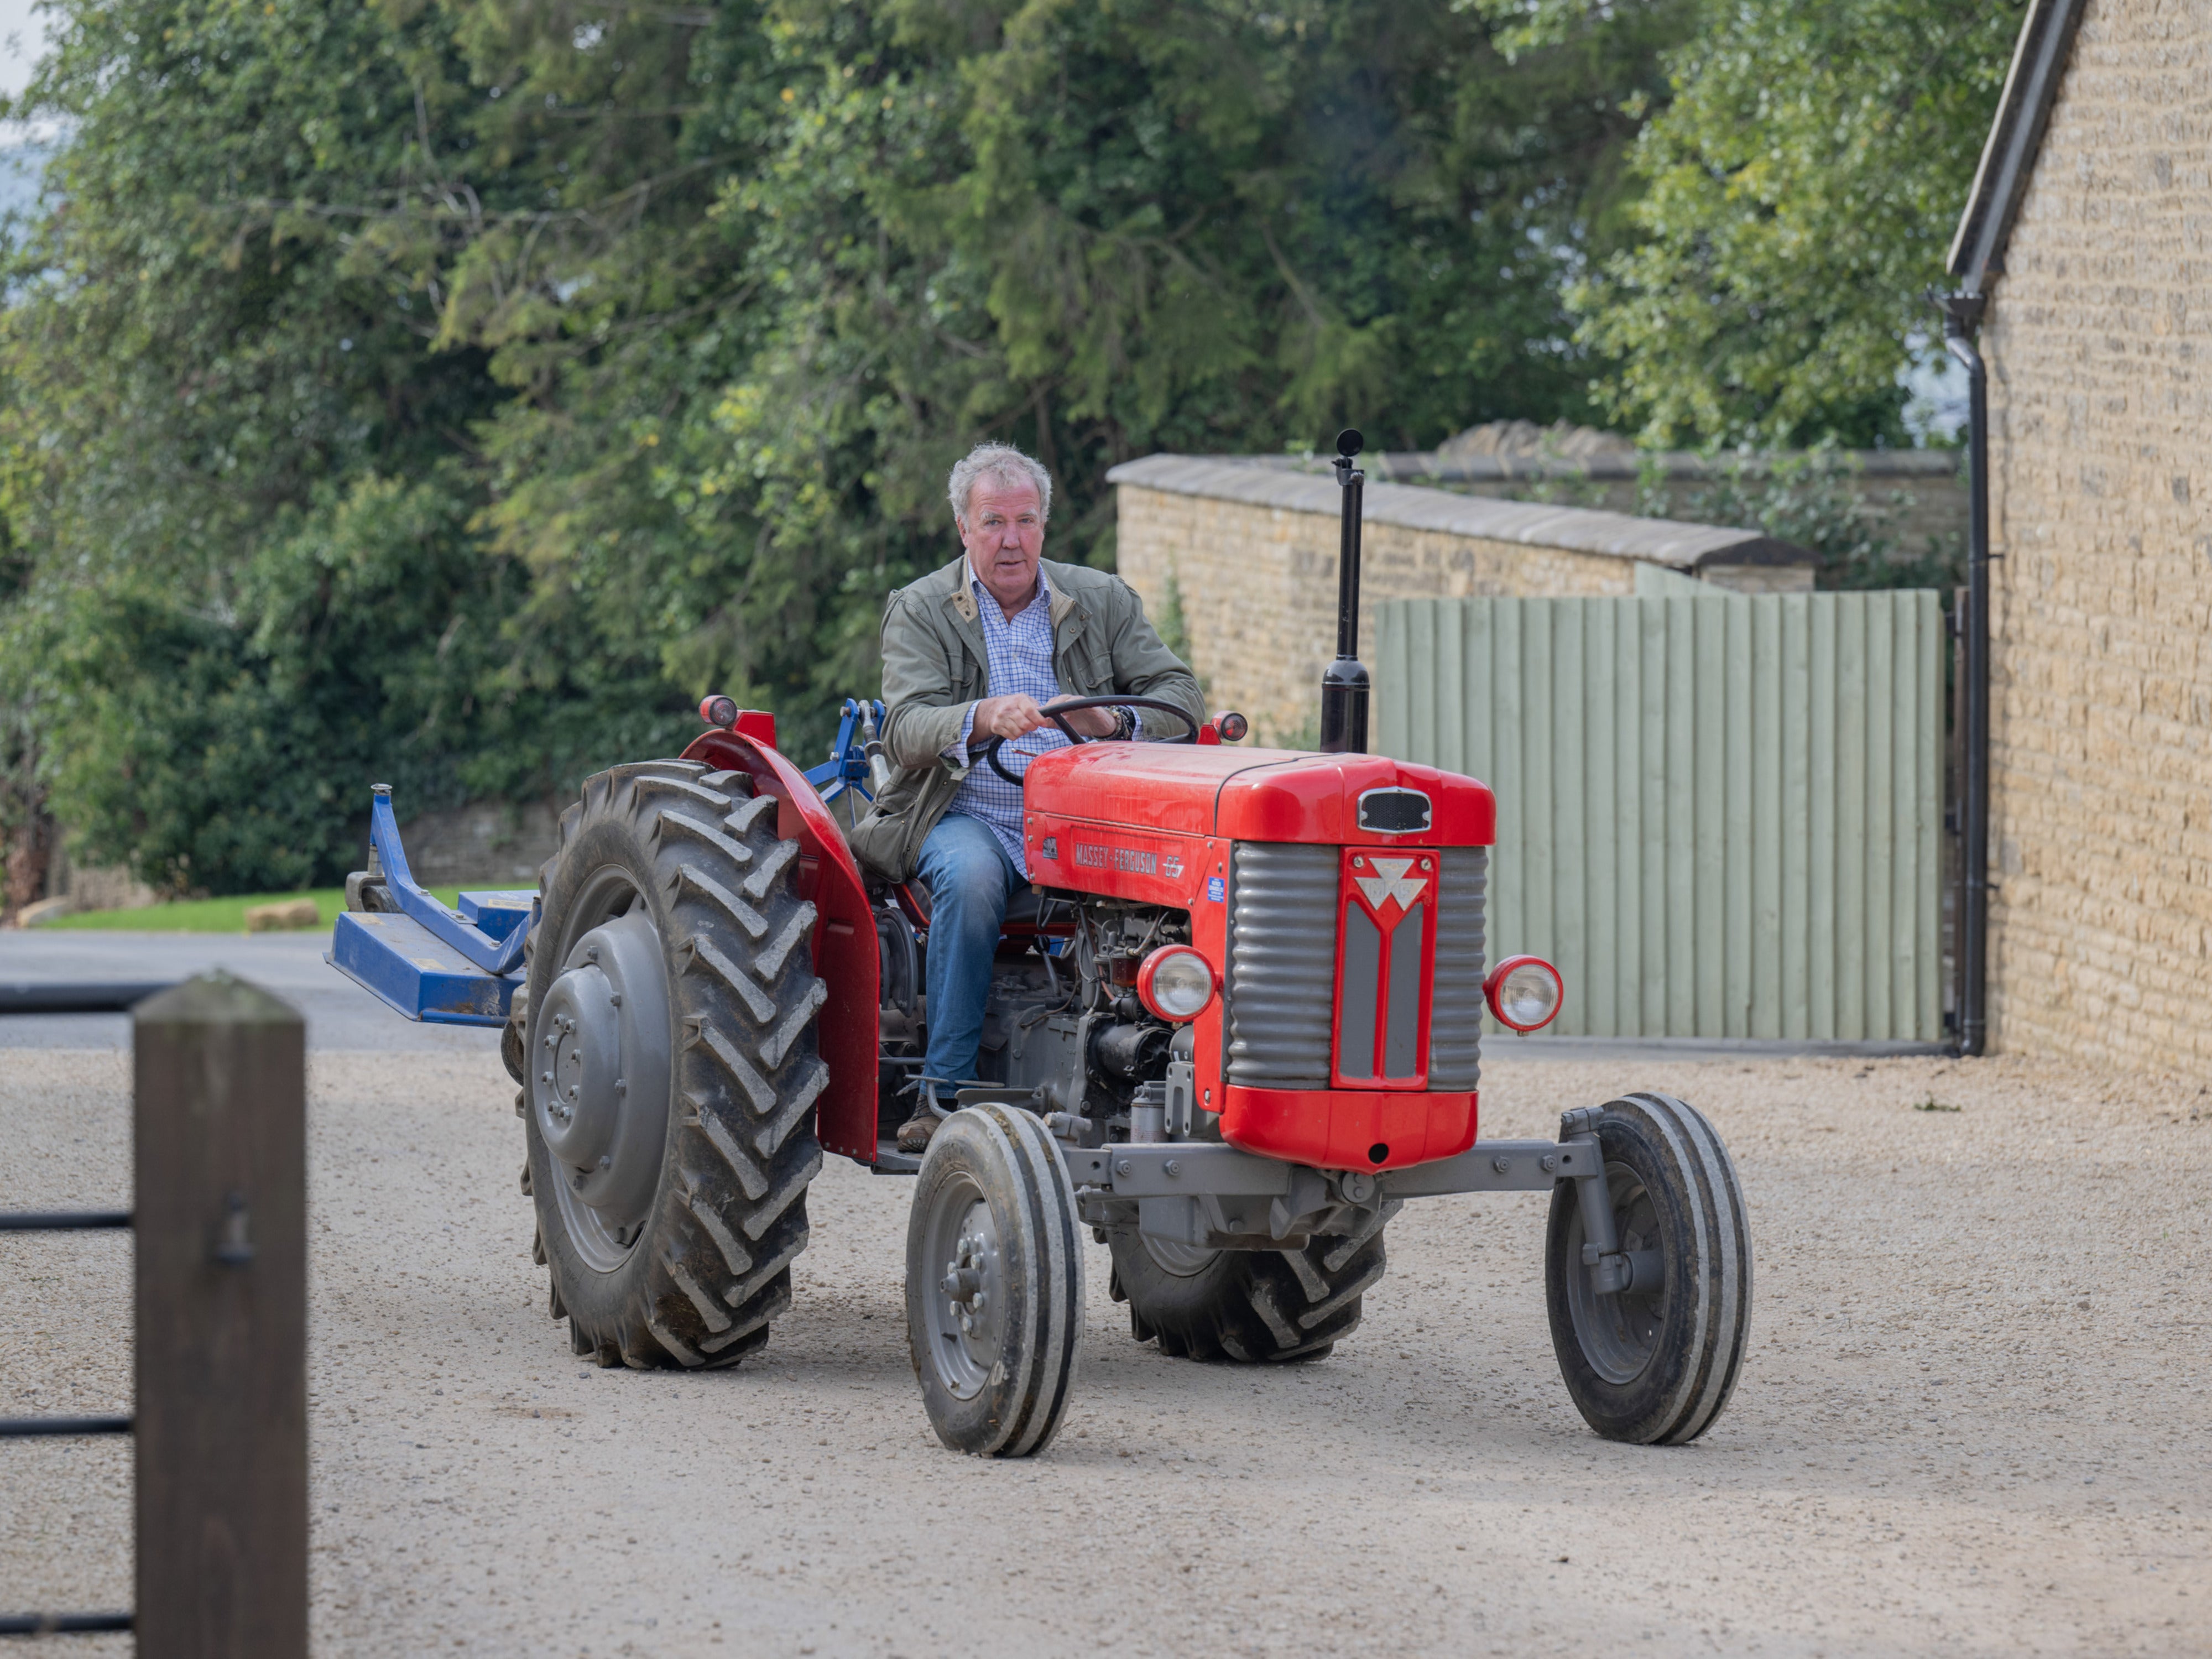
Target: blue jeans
[[970, 878]]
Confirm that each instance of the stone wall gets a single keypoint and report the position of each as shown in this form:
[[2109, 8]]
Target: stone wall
[[2101, 475], [1919, 494], [1253, 551], [489, 844], [94, 887]]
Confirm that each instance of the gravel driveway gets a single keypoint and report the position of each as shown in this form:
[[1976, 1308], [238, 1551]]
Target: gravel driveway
[[1974, 1417]]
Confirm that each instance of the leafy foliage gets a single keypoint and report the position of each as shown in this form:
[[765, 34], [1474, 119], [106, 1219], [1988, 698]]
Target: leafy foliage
[[1817, 499], [1802, 187], [450, 391]]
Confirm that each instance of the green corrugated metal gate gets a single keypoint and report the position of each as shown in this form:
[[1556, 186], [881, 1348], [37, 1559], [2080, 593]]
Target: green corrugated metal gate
[[1718, 815]]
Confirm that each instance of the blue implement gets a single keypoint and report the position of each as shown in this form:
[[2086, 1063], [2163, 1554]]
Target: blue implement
[[444, 967], [494, 952], [856, 757], [405, 966], [498, 913]]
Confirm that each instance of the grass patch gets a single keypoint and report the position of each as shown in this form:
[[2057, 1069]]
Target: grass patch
[[214, 915], [1932, 1104]]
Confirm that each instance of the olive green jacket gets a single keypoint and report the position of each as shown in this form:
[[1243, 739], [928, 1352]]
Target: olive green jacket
[[935, 665]]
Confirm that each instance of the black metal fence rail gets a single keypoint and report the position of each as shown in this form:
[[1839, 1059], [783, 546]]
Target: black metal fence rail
[[219, 1433], [30, 1428], [62, 1624], [61, 1221], [78, 997], [27, 1428]]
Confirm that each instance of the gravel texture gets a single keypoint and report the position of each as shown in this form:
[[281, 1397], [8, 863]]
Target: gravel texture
[[1973, 1420]]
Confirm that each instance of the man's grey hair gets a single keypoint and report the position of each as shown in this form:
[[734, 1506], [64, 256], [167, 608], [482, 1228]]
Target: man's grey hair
[[1002, 464]]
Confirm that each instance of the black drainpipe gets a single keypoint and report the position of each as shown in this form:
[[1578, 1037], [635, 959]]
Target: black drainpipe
[[1962, 320]]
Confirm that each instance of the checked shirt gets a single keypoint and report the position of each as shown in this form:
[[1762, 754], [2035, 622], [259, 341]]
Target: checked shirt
[[1021, 662]]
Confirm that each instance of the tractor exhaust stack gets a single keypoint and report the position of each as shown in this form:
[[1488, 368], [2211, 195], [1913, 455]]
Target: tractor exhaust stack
[[1343, 683]]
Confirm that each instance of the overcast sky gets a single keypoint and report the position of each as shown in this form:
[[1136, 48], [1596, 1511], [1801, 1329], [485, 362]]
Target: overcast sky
[[21, 32]]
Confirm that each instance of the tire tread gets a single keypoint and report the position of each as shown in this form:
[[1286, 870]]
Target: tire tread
[[729, 1216], [1720, 1276]]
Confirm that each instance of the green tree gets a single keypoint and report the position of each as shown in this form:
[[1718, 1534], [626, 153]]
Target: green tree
[[1799, 192], [211, 413], [450, 391]]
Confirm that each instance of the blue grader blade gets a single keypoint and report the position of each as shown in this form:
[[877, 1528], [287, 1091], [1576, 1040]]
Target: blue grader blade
[[445, 967], [417, 974]]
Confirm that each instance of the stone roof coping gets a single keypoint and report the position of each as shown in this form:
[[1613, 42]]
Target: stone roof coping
[[2014, 145], [1434, 466], [1532, 524]]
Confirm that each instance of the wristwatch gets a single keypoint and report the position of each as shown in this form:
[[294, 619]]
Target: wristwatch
[[1125, 725]]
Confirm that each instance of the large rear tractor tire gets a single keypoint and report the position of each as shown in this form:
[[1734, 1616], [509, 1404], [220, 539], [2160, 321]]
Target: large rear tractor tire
[[1252, 1307], [1654, 1363], [994, 1283], [669, 1067]]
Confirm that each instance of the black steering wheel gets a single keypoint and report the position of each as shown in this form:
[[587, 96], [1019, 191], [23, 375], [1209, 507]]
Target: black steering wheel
[[1069, 706]]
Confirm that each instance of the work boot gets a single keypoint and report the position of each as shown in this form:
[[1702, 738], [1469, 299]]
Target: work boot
[[913, 1134]]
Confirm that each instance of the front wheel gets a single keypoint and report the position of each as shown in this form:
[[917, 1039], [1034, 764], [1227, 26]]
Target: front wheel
[[1653, 1364], [993, 1283]]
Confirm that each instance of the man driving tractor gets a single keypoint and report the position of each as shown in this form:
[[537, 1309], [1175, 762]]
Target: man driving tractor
[[983, 649]]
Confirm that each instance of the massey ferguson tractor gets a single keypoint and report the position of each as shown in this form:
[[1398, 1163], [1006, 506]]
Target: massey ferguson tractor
[[1236, 1028]]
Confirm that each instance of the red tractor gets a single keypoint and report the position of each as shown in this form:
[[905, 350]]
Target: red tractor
[[1234, 1031]]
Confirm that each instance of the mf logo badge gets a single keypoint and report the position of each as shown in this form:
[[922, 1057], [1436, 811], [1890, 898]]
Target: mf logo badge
[[1391, 883], [1385, 948]]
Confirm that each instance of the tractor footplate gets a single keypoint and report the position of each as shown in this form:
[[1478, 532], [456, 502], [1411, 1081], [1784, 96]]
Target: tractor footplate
[[892, 1162]]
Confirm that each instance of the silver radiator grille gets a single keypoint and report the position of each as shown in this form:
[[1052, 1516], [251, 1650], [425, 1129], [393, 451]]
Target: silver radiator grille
[[1282, 965], [1456, 1014]]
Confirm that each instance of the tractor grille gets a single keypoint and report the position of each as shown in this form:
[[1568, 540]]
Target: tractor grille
[[1456, 1015], [1281, 992], [1281, 989]]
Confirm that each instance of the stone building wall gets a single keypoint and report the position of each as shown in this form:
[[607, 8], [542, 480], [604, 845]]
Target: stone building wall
[[2101, 501], [1252, 555]]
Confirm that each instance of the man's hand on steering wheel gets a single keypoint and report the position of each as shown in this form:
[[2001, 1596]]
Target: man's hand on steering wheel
[[1081, 719], [1017, 716]]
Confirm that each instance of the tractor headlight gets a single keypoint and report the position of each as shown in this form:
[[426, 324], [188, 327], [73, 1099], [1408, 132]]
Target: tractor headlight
[[1524, 992], [1176, 982]]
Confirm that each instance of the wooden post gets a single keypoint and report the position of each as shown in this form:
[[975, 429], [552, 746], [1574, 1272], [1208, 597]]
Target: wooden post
[[221, 1076]]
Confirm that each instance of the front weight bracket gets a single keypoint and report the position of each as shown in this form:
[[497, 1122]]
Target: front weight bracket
[[1610, 1271]]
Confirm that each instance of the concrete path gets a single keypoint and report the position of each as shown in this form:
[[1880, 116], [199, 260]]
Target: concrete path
[[1973, 1420]]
